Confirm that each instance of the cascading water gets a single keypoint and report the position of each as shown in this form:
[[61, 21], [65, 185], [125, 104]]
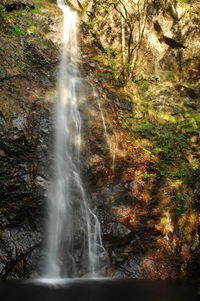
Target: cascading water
[[74, 245], [111, 144]]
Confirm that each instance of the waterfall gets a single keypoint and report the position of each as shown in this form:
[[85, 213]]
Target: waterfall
[[74, 246], [111, 145], [109, 140]]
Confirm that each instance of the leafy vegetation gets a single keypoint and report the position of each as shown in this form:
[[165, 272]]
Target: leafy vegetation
[[109, 66], [181, 200], [17, 30], [169, 142], [185, 1], [163, 220], [146, 175]]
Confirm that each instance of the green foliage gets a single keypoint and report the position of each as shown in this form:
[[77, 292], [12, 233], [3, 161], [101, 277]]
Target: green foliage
[[2, 10], [184, 1], [38, 5], [103, 74], [163, 220], [182, 172], [169, 142], [181, 201], [166, 208], [108, 63], [34, 58], [191, 123], [21, 21], [146, 175], [17, 30], [90, 25], [144, 84], [145, 128], [102, 6]]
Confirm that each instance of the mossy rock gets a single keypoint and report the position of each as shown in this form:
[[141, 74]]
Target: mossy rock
[[122, 100], [17, 4]]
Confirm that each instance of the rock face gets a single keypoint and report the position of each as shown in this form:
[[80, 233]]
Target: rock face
[[149, 222], [27, 79], [155, 37], [141, 227], [144, 185]]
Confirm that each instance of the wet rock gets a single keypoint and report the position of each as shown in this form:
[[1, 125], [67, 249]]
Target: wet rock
[[41, 182], [127, 268], [2, 153], [22, 201], [193, 266], [116, 233], [123, 101], [132, 268], [17, 248], [41, 52], [27, 89]]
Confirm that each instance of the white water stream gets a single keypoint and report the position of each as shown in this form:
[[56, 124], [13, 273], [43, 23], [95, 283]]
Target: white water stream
[[110, 143], [74, 245]]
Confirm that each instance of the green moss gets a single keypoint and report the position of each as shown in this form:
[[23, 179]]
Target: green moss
[[103, 74], [26, 21], [106, 61], [185, 1], [161, 116], [146, 175], [2, 11], [38, 4], [89, 25], [17, 30], [33, 58], [102, 6], [163, 220]]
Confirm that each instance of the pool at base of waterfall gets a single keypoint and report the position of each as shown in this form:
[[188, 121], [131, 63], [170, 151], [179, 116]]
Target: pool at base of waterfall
[[97, 290]]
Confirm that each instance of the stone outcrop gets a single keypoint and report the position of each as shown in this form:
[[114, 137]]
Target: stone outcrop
[[158, 36]]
